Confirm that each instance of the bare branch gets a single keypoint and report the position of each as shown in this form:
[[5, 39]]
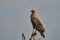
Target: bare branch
[[23, 36]]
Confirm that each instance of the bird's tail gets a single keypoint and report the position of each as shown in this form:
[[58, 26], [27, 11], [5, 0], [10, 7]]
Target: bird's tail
[[42, 34]]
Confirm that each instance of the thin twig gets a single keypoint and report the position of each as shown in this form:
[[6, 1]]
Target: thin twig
[[23, 36]]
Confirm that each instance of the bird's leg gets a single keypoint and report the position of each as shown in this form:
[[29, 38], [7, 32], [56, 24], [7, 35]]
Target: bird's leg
[[33, 29]]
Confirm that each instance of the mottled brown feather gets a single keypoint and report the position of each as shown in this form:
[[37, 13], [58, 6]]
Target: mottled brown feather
[[37, 24]]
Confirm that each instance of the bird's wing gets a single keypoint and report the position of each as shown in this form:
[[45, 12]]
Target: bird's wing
[[37, 23], [37, 20]]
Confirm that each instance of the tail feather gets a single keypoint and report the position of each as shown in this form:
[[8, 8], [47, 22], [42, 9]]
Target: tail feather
[[42, 34]]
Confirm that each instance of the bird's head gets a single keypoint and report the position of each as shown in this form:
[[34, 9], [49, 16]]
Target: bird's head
[[33, 11]]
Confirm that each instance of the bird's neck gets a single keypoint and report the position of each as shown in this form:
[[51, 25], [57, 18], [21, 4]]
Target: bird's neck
[[33, 13]]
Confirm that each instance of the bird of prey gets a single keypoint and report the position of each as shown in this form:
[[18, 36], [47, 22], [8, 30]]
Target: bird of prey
[[37, 25]]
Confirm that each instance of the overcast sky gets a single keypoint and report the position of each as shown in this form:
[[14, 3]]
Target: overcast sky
[[15, 18]]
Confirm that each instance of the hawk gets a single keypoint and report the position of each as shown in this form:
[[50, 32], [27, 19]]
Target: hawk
[[37, 25]]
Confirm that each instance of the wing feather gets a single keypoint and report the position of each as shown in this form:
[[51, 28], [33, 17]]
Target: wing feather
[[37, 23]]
